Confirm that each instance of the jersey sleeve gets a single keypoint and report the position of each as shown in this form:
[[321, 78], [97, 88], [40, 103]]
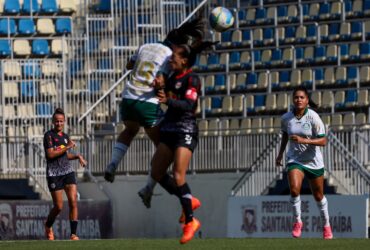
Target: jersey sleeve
[[48, 141], [283, 125], [318, 126], [189, 102]]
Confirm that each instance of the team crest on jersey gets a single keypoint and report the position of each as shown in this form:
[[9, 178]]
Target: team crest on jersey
[[178, 85], [306, 126], [249, 214]]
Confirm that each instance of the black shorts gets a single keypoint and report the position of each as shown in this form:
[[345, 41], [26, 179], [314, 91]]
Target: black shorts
[[174, 140], [58, 182]]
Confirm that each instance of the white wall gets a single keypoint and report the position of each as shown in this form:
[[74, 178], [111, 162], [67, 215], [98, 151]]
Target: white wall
[[131, 219]]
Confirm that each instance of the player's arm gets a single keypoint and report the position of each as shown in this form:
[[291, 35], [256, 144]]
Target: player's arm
[[319, 141], [56, 152], [78, 157], [284, 142]]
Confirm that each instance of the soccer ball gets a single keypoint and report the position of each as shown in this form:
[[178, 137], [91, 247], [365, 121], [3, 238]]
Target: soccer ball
[[221, 19]]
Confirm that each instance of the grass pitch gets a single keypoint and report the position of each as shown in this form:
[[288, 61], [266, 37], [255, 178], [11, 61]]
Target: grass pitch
[[173, 244]]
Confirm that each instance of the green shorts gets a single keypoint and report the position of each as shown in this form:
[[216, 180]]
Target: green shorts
[[146, 113], [310, 173]]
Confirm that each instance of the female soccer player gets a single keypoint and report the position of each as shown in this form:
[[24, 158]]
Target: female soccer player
[[60, 174], [179, 133], [140, 105], [306, 132]]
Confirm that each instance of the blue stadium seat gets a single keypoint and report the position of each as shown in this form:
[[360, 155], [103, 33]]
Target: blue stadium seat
[[284, 77], [259, 101], [261, 16], [63, 26], [234, 62], [268, 36], [356, 30], [31, 69], [11, 7], [344, 52], [246, 37], [257, 57], [242, 14], [5, 48], [75, 67], [311, 33], [94, 86], [366, 7], [320, 53], [348, 7], [352, 74], [28, 89], [289, 34], [282, 13], [213, 61], [251, 82], [7, 26], [105, 64], [220, 82], [216, 103], [319, 75], [334, 31], [26, 26], [365, 51], [40, 47], [49, 6], [43, 109], [306, 10], [225, 39], [351, 97], [276, 57], [30, 6], [103, 6], [299, 54], [324, 12]]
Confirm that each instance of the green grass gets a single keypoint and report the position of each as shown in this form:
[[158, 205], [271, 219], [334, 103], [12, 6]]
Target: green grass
[[173, 244]]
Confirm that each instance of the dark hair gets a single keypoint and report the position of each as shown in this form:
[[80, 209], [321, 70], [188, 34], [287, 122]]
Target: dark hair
[[58, 111], [311, 103], [194, 29]]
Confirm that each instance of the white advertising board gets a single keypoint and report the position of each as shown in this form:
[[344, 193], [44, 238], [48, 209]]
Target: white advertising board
[[271, 216]]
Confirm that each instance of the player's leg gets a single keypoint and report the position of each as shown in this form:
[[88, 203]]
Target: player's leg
[[57, 197], [317, 188], [71, 192], [120, 149], [295, 178], [181, 163]]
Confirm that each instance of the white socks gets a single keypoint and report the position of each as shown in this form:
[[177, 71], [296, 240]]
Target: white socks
[[119, 152], [323, 207], [296, 205]]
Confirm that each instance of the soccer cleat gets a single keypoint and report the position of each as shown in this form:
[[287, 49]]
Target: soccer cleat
[[49, 233], [74, 237], [297, 229], [327, 233], [146, 195], [109, 172], [189, 230], [195, 203]]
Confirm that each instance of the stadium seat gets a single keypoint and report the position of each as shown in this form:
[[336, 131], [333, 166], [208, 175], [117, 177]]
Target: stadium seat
[[354, 52], [270, 15], [256, 126], [348, 120], [50, 68], [258, 37], [299, 55], [336, 122], [352, 74], [339, 98], [213, 127], [280, 34], [356, 30], [28, 89], [348, 8], [48, 88], [332, 53], [31, 69], [329, 78], [364, 75], [341, 75], [365, 50], [232, 81], [363, 98], [351, 98], [324, 11], [234, 62], [30, 6], [238, 105], [227, 105], [295, 78], [274, 80], [10, 89], [5, 48], [58, 46], [213, 61], [209, 83], [246, 37], [282, 102], [266, 58], [11, 69], [334, 31], [336, 10], [284, 79], [63, 26], [268, 36], [268, 124], [225, 41], [249, 103], [206, 104], [319, 76], [290, 32], [316, 97], [260, 16], [240, 82], [103, 6], [311, 33], [324, 32], [361, 120], [202, 63], [26, 26], [327, 99], [276, 57], [242, 16], [270, 102], [43, 109], [366, 7], [366, 28], [259, 103], [251, 82], [68, 6], [320, 54], [203, 127], [216, 104], [21, 47], [220, 83], [282, 13], [245, 126], [94, 86], [300, 35], [40, 47], [263, 80], [309, 55], [256, 58], [9, 111], [344, 52], [245, 60], [307, 77], [25, 110], [345, 31], [11, 7], [45, 26], [236, 38], [314, 11], [51, 6], [234, 126], [7, 26]]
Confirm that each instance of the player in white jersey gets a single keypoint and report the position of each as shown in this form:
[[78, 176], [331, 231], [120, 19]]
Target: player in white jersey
[[305, 131], [140, 106]]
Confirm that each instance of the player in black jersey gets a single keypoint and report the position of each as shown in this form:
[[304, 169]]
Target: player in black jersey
[[60, 173], [179, 133]]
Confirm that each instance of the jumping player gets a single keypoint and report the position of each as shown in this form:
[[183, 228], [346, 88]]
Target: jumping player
[[305, 130]]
